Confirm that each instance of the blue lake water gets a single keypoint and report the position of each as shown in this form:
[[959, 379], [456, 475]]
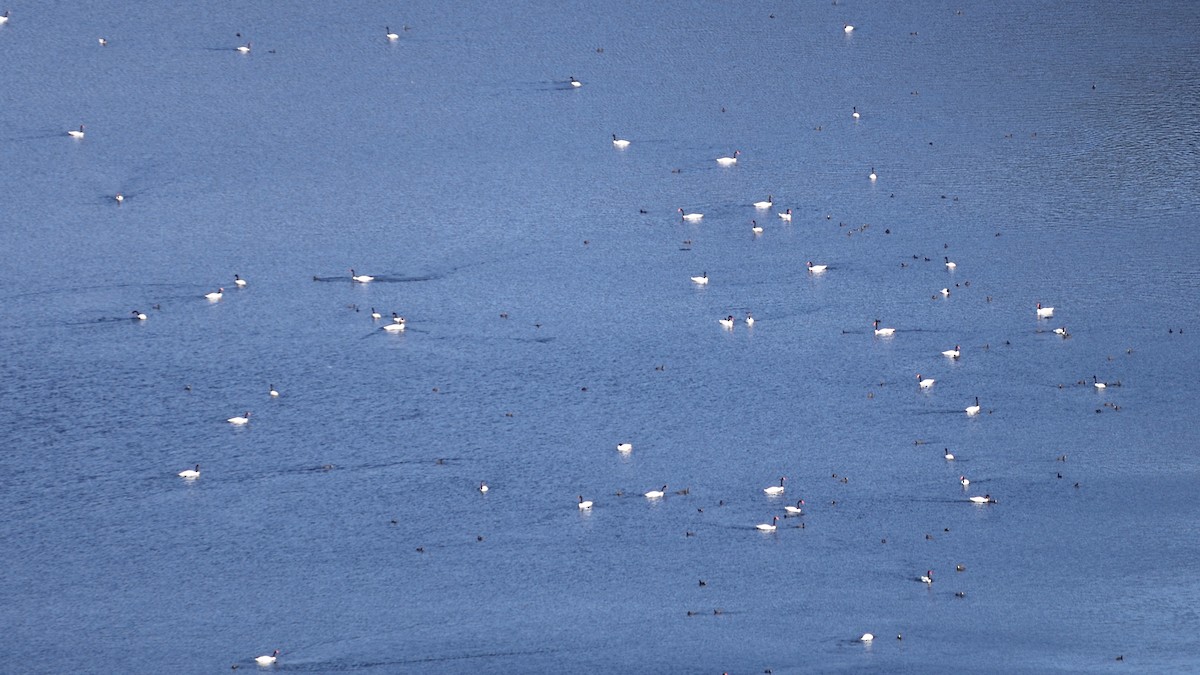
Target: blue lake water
[[1048, 149]]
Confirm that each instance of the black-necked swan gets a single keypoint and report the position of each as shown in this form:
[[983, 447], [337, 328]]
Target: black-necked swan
[[964, 481], [238, 281], [729, 161], [215, 295], [866, 637], [749, 319], [690, 217], [119, 198], [797, 509], [949, 263], [765, 527], [575, 82], [727, 322], [1044, 312], [190, 473], [1098, 384], [767, 204], [776, 489], [656, 494], [816, 269], [375, 314], [273, 392], [925, 382], [584, 505], [755, 227], [138, 316], [786, 215], [848, 28], [360, 278], [245, 49], [702, 279], [4, 17], [620, 142], [872, 175], [854, 113], [949, 455], [953, 353], [927, 578], [240, 419], [76, 133], [624, 447], [483, 487], [986, 499], [883, 332], [396, 326], [389, 34], [266, 660], [973, 409]]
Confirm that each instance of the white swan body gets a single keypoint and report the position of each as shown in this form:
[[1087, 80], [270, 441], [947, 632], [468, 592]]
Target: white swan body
[[691, 217], [768, 527], [1044, 312], [656, 494], [883, 332], [584, 505], [925, 382], [775, 489], [266, 660], [729, 161], [866, 637], [624, 447], [973, 409], [215, 295], [952, 353], [395, 327], [4, 17], [767, 204], [848, 28], [190, 474], [245, 49], [240, 419], [986, 499], [620, 143], [361, 278]]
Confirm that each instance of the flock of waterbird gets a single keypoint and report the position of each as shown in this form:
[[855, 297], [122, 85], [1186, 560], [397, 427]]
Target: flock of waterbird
[[398, 324]]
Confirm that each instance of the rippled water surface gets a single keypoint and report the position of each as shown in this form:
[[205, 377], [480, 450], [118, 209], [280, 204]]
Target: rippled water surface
[[1048, 149]]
